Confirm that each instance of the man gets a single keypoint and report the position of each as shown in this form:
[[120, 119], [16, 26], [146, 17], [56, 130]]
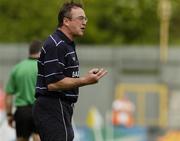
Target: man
[[58, 76], [21, 84]]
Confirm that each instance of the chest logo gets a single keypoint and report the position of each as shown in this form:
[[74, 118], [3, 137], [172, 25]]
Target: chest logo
[[75, 74]]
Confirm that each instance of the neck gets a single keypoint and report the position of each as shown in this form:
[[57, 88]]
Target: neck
[[34, 56], [65, 31]]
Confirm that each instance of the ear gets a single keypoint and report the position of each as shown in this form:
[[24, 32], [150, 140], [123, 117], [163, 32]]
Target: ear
[[66, 21]]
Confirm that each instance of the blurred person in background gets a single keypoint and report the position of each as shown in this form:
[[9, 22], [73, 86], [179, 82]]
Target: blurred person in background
[[58, 76], [2, 106], [21, 86], [122, 112]]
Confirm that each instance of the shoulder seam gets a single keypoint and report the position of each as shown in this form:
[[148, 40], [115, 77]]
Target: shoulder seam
[[56, 43]]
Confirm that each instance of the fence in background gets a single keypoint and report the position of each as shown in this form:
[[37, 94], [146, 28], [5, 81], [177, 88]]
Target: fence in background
[[129, 65]]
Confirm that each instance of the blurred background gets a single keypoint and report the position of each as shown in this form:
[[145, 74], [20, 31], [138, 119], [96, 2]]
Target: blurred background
[[137, 41]]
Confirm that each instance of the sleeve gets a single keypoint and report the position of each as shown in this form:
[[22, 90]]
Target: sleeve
[[11, 84], [54, 63]]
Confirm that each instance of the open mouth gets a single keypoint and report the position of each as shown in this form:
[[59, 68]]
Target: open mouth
[[83, 28]]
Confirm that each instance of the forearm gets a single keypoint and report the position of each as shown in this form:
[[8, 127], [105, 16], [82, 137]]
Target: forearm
[[8, 103], [67, 83], [91, 77]]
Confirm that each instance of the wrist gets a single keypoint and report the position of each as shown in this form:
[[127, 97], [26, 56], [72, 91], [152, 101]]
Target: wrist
[[9, 114], [82, 81]]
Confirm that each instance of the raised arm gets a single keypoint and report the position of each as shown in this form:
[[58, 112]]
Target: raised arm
[[91, 77]]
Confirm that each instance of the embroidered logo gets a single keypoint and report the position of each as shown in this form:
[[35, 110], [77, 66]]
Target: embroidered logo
[[74, 58], [75, 74]]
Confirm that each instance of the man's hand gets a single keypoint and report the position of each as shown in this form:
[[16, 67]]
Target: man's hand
[[10, 119], [94, 75], [94, 70]]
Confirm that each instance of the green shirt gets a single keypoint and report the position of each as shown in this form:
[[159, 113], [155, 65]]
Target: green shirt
[[22, 82]]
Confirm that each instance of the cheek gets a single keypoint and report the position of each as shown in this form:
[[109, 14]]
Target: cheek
[[75, 28]]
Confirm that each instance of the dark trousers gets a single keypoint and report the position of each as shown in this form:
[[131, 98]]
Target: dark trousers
[[53, 118]]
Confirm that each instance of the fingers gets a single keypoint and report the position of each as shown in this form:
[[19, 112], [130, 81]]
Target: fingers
[[10, 123], [98, 73], [94, 75], [101, 73], [94, 70]]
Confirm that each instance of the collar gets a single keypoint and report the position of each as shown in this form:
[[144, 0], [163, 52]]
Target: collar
[[64, 37]]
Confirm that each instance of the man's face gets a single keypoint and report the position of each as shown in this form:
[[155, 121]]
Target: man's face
[[77, 22]]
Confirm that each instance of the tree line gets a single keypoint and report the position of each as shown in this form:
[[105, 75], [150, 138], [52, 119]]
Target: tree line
[[114, 22]]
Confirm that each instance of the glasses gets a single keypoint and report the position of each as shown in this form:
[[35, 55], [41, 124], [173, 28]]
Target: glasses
[[80, 18]]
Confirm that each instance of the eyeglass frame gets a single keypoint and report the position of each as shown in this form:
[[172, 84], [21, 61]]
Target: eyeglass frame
[[81, 18]]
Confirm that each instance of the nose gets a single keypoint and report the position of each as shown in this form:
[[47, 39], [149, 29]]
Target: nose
[[84, 22], [85, 19]]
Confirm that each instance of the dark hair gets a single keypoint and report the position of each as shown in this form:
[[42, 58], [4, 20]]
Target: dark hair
[[35, 47], [65, 11]]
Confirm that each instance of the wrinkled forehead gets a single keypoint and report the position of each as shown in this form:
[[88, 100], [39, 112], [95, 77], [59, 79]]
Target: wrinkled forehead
[[77, 11]]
